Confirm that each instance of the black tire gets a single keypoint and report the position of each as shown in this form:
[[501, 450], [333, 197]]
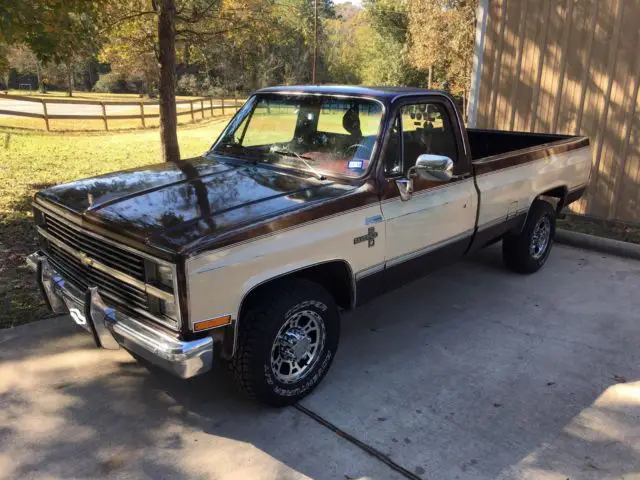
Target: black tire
[[269, 312], [517, 251]]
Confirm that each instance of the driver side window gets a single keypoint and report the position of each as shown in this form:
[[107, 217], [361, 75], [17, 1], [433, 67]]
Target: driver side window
[[426, 128], [392, 159]]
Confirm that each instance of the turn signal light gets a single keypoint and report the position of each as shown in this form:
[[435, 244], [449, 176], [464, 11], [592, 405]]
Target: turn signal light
[[213, 323]]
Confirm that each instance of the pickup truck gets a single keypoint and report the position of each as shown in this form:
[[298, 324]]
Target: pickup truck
[[312, 201]]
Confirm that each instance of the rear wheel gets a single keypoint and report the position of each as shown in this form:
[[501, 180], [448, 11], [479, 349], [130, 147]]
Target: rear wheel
[[528, 251], [288, 338]]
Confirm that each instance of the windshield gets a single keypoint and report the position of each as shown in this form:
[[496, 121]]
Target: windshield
[[319, 134]]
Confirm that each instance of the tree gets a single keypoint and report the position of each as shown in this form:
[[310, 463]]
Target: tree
[[56, 31], [21, 58], [5, 67], [442, 35], [385, 44], [133, 27]]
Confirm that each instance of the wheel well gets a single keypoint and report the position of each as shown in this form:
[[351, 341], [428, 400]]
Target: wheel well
[[335, 276], [560, 193]]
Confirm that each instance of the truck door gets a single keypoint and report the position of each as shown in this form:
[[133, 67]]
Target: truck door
[[435, 225]]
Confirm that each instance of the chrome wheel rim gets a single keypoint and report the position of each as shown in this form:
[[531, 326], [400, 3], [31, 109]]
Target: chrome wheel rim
[[297, 346], [540, 238]]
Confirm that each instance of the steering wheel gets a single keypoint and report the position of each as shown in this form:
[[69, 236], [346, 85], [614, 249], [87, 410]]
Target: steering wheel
[[358, 145]]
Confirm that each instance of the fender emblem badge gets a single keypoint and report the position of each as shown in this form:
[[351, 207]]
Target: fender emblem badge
[[370, 237], [372, 220]]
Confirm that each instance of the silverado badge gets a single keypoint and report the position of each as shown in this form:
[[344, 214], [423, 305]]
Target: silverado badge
[[370, 237]]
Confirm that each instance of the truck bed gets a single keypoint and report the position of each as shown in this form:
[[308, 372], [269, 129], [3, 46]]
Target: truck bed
[[489, 143], [512, 168]]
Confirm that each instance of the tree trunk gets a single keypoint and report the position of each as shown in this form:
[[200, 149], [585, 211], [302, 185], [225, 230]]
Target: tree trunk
[[41, 87], [69, 79], [167, 85]]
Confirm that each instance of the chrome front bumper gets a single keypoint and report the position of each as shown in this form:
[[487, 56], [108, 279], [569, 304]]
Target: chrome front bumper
[[112, 329]]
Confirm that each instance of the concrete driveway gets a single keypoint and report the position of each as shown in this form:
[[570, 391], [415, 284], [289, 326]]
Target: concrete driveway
[[472, 373]]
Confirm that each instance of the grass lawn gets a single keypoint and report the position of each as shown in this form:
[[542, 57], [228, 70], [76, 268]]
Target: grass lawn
[[31, 161], [84, 125]]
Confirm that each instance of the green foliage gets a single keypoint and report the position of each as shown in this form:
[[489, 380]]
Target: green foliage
[[241, 45], [442, 35], [54, 30], [114, 82], [188, 85]]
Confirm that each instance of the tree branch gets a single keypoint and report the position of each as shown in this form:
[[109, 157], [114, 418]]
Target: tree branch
[[193, 33], [196, 16], [128, 17]]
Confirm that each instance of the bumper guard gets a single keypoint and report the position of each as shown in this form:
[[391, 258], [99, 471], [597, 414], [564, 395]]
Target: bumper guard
[[112, 329]]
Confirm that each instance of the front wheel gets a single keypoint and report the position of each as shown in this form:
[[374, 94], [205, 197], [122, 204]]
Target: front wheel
[[288, 339], [528, 251]]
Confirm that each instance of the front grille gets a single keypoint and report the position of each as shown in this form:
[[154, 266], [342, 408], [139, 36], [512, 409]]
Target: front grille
[[83, 276], [98, 249]]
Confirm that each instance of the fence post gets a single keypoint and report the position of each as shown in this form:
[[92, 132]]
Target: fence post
[[142, 114], [104, 116], [193, 119], [222, 100], [202, 108], [211, 105], [44, 111]]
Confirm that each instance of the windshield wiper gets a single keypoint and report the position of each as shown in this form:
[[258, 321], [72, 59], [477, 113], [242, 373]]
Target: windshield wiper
[[302, 158]]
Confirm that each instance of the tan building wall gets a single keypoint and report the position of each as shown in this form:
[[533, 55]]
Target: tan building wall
[[567, 66]]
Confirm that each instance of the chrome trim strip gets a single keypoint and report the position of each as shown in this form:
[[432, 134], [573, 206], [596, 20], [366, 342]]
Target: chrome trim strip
[[90, 262], [370, 271], [76, 223], [577, 187], [416, 253], [524, 151], [503, 219], [429, 190]]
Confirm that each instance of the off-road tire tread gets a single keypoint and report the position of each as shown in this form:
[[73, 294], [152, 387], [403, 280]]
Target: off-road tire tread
[[515, 248], [254, 324]]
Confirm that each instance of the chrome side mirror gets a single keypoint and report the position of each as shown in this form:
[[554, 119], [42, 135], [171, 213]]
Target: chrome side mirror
[[437, 168]]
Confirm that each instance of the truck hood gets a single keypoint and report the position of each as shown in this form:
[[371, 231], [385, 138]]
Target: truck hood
[[172, 205]]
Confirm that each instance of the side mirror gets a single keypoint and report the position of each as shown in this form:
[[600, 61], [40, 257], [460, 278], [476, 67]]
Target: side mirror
[[437, 168]]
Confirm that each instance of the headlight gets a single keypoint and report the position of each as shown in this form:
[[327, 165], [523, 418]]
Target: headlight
[[168, 309], [164, 275], [164, 307]]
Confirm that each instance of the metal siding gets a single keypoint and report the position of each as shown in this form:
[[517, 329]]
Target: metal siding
[[563, 66]]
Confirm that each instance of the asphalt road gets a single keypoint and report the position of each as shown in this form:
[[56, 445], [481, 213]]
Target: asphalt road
[[472, 373]]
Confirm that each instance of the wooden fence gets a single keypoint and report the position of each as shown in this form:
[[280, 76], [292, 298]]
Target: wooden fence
[[197, 107]]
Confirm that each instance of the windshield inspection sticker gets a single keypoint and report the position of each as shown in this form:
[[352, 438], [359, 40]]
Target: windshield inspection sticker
[[356, 164]]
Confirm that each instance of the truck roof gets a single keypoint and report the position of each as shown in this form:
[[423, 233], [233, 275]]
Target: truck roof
[[381, 93]]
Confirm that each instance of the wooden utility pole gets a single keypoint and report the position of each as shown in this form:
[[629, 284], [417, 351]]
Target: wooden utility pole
[[430, 72], [315, 42]]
